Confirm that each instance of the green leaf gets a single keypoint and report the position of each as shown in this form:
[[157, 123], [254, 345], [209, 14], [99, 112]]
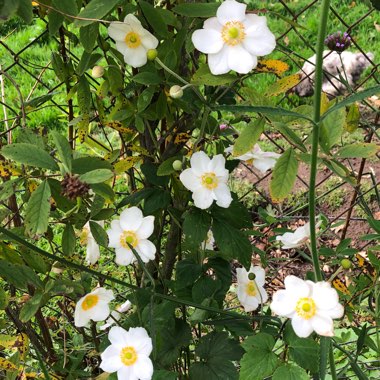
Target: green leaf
[[68, 7], [154, 18], [163, 374], [282, 85], [290, 135], [99, 234], [103, 190], [353, 118], [203, 76], [88, 35], [59, 67], [95, 9], [376, 4], [237, 215], [29, 154], [274, 111], [284, 176], [259, 361], [55, 22], [290, 372], [145, 98], [64, 150], [352, 99], [248, 137], [147, 78], [331, 129], [87, 61], [96, 176], [197, 9], [305, 352], [68, 240], [31, 307], [25, 11], [84, 96], [38, 210], [195, 226], [83, 165], [166, 167], [4, 299], [8, 188], [356, 150]]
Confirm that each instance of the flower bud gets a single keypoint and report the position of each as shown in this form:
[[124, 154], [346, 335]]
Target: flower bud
[[346, 264], [176, 92], [97, 71], [251, 276], [151, 54], [177, 165], [195, 133], [338, 41]]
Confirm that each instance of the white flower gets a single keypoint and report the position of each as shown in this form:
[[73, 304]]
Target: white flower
[[311, 306], [251, 293], [116, 315], [207, 179], [128, 354], [93, 306], [132, 228], [92, 247], [132, 40], [261, 160], [297, 238], [233, 40], [209, 242]]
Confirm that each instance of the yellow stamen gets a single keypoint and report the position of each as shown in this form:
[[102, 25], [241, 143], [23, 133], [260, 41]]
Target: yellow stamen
[[251, 289], [129, 237], [83, 236], [90, 301], [209, 181], [233, 33], [306, 308], [132, 40], [128, 355]]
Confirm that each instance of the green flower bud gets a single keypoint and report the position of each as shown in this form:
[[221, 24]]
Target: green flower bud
[[177, 165], [97, 71], [251, 276], [346, 264], [195, 133], [151, 54], [176, 92]]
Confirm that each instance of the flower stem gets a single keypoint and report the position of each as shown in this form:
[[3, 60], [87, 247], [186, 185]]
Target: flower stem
[[315, 137]]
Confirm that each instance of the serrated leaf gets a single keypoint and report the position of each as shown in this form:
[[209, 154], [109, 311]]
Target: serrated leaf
[[96, 9], [96, 176], [284, 176], [8, 169], [88, 35], [203, 76], [290, 372], [29, 154], [195, 226], [38, 209], [331, 128], [358, 150], [7, 365], [64, 150], [248, 137], [196, 9], [305, 352], [283, 85]]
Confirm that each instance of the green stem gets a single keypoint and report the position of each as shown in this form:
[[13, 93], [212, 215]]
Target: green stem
[[315, 140]]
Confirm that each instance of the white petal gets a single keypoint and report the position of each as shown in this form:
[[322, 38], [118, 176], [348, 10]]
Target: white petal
[[264, 164], [81, 318], [323, 325], [114, 238], [111, 361], [263, 42], [121, 46], [302, 327], [335, 312], [118, 30], [213, 23], [242, 275], [324, 296], [104, 294], [218, 63], [124, 307], [132, 20], [124, 256], [263, 293], [92, 251], [253, 22], [297, 287], [203, 198], [259, 273], [190, 180], [118, 336], [131, 219], [148, 40], [240, 60], [283, 304], [140, 339], [146, 228], [136, 57], [250, 304], [223, 195], [217, 165], [146, 250], [144, 368], [231, 10], [100, 312], [208, 41], [127, 373], [199, 162]]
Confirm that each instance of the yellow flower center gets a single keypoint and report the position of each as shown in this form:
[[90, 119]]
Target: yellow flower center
[[209, 181], [83, 236], [128, 356], [251, 289], [133, 40], [90, 301], [129, 237], [306, 308], [233, 33]]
